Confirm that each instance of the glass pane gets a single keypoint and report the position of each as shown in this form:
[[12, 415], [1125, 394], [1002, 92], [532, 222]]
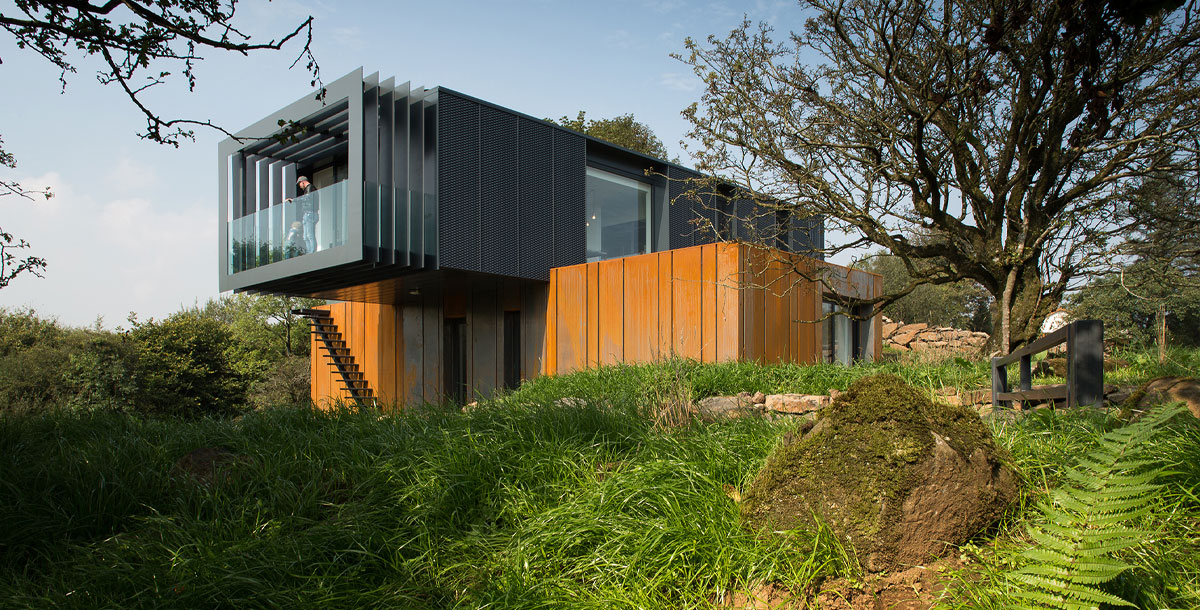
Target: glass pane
[[618, 212], [309, 223], [836, 334]]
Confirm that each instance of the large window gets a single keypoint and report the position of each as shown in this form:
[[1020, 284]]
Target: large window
[[618, 216]]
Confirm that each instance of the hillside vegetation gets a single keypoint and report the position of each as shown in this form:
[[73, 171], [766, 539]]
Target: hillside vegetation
[[519, 502]]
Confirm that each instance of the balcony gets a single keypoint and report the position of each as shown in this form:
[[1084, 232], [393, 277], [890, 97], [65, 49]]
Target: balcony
[[292, 228]]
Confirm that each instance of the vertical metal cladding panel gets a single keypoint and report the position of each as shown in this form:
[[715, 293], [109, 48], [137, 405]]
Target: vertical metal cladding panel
[[535, 172], [570, 194], [499, 214], [682, 212], [765, 226], [808, 236], [458, 175]]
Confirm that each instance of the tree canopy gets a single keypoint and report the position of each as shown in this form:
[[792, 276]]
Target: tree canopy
[[141, 44], [624, 130], [1009, 132]]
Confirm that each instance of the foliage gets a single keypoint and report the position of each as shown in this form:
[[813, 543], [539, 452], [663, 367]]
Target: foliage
[[287, 382], [518, 503], [1008, 133], [1089, 521], [185, 368], [12, 263], [1128, 302], [963, 304], [624, 131], [265, 331]]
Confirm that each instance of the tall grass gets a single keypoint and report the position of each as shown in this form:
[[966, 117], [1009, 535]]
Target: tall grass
[[524, 501]]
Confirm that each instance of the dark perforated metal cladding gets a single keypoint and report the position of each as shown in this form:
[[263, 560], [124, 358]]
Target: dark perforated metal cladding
[[681, 212], [500, 225], [458, 182], [536, 191], [570, 192]]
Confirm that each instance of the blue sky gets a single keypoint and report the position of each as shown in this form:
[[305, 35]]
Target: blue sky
[[133, 225]]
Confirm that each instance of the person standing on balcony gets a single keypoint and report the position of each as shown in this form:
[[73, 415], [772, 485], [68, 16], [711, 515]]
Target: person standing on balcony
[[308, 209]]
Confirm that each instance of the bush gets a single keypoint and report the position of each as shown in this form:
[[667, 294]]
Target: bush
[[184, 367], [287, 382]]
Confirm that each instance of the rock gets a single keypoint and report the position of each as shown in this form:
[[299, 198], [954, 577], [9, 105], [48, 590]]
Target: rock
[[1169, 390], [905, 334], [977, 397], [894, 474], [208, 464], [758, 398], [724, 407], [796, 403], [570, 402], [889, 328]]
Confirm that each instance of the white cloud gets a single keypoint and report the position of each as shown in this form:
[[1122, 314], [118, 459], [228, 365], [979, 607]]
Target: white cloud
[[679, 81], [130, 176], [109, 256]]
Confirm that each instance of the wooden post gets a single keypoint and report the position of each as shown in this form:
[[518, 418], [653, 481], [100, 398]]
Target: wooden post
[[999, 383], [1085, 363], [1026, 374]]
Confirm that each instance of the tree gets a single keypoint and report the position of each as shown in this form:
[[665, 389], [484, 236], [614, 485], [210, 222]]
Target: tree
[[623, 131], [1008, 131], [963, 304], [140, 43], [1137, 300]]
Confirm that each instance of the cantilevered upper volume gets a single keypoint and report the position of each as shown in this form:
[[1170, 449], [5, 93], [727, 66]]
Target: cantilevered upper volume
[[409, 182]]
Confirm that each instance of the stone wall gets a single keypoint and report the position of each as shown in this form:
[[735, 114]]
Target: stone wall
[[923, 337]]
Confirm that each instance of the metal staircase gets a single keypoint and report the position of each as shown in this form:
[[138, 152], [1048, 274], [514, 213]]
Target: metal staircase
[[338, 352]]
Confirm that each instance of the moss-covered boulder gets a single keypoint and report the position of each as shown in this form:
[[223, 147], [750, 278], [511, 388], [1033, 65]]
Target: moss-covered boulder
[[896, 475]]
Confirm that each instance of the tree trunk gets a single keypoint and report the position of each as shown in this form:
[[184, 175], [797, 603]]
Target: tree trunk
[[1020, 310]]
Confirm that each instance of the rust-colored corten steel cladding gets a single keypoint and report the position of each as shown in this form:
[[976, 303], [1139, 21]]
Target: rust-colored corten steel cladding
[[715, 302]]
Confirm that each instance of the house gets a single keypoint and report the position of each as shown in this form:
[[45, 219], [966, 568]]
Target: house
[[471, 246]]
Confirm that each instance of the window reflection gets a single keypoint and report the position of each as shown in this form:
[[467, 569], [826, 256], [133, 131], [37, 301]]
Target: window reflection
[[618, 213]]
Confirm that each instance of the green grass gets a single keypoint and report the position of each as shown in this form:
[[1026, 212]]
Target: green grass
[[519, 502]]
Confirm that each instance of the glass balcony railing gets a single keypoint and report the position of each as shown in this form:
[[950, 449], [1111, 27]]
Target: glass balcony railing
[[305, 225]]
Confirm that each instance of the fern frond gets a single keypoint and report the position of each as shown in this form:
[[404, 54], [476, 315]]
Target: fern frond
[[1087, 521]]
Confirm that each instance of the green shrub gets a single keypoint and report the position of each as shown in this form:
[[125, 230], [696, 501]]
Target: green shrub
[[184, 367]]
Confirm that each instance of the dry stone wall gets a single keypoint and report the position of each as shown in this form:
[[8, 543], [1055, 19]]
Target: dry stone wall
[[923, 337]]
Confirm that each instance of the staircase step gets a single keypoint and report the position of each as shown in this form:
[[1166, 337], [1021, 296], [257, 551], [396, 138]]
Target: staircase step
[[309, 312]]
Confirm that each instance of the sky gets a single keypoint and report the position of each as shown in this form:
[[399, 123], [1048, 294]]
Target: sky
[[132, 226]]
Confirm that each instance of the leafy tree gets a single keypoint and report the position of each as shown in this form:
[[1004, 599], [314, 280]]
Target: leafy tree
[[1129, 301], [185, 369], [140, 45], [623, 131], [264, 330], [963, 304], [1007, 130]]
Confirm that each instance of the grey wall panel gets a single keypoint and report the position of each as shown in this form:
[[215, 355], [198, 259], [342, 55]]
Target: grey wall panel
[[458, 175], [570, 193], [500, 225], [484, 325], [535, 173]]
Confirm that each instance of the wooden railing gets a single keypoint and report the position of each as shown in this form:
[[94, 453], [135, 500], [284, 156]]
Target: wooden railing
[[1085, 367]]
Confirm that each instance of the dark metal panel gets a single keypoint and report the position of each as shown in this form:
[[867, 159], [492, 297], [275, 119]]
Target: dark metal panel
[[499, 234], [387, 202], [570, 193], [459, 175], [682, 210], [400, 174], [535, 175], [416, 139], [429, 229]]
